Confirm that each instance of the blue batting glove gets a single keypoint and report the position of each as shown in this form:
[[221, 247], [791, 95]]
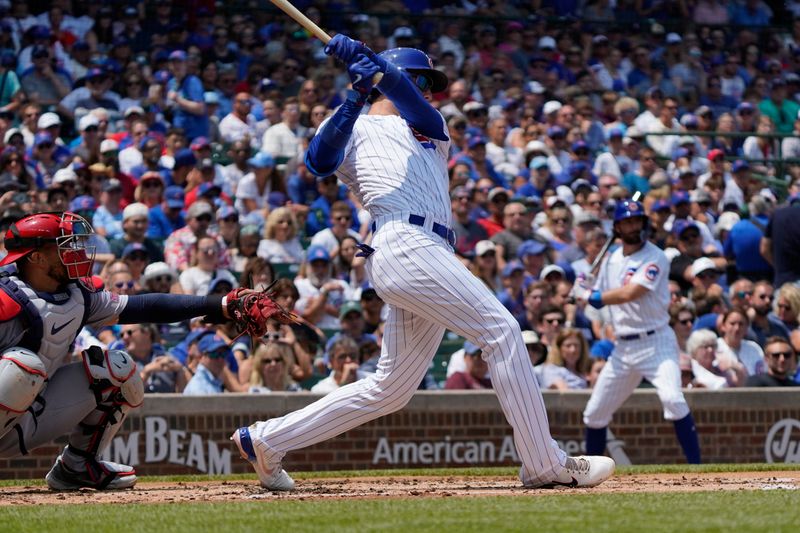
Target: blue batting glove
[[361, 73], [596, 299], [346, 49]]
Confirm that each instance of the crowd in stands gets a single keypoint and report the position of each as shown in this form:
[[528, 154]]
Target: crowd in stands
[[179, 130]]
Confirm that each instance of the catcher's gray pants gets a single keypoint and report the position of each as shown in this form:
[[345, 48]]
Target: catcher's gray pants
[[67, 404]]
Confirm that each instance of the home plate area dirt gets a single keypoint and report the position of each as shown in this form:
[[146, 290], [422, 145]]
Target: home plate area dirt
[[394, 487]]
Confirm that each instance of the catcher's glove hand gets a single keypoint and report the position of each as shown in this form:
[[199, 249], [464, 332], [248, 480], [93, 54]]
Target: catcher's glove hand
[[252, 309]]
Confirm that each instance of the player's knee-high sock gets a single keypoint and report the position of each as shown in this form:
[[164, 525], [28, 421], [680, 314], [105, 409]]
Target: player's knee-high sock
[[687, 436], [596, 441]]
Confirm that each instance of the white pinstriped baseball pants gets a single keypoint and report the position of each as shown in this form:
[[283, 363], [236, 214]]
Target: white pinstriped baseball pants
[[428, 290], [655, 358]]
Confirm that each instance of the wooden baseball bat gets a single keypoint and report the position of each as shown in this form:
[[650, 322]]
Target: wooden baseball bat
[[307, 23], [599, 259]]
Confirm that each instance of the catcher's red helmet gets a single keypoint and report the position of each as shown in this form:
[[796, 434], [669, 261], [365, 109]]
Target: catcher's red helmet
[[68, 231]]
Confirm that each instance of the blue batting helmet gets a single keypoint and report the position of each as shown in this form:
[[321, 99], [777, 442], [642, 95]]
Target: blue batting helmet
[[416, 61], [628, 209]]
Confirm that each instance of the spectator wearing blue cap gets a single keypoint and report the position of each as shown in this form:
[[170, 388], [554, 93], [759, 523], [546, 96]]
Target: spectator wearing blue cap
[[475, 374], [44, 82], [319, 212], [741, 186], [209, 378], [321, 295], [42, 159], [476, 151], [167, 216], [252, 192], [614, 161], [151, 148], [512, 296], [107, 220], [541, 178], [558, 137], [185, 162], [185, 97], [98, 82]]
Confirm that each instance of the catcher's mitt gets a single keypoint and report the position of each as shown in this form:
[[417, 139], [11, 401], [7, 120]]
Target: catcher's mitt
[[251, 310]]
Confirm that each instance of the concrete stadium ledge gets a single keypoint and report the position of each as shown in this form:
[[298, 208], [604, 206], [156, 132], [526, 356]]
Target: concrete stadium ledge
[[474, 401]]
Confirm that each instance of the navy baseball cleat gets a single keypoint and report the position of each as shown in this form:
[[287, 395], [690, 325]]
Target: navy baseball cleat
[[272, 477], [583, 471], [100, 475]]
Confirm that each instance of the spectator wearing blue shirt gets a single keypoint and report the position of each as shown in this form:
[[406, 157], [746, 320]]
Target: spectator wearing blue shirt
[[744, 239], [185, 94], [301, 186], [749, 13], [319, 216], [714, 99], [107, 220], [167, 216], [209, 376], [513, 295]]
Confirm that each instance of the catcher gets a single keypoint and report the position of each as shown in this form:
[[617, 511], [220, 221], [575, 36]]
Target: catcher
[[43, 306]]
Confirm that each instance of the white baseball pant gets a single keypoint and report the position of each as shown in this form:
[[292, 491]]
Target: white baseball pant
[[654, 357], [428, 290]]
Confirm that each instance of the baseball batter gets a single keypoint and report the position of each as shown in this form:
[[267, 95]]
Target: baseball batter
[[634, 282], [394, 157], [43, 307]]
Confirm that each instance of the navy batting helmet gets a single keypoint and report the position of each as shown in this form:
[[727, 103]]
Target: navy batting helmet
[[628, 209], [416, 61]]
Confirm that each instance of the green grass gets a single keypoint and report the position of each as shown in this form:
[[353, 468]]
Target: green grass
[[432, 472], [706, 511]]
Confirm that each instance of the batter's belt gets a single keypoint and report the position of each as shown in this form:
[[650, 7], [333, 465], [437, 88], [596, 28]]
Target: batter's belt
[[418, 220]]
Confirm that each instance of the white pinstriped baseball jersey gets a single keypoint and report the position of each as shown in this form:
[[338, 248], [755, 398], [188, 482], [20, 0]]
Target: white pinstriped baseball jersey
[[393, 169], [397, 172], [648, 267]]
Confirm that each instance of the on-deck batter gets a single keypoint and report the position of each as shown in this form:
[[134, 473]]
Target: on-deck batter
[[634, 282], [395, 159]]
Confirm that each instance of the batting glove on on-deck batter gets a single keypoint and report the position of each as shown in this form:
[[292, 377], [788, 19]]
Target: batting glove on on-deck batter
[[361, 73], [346, 49]]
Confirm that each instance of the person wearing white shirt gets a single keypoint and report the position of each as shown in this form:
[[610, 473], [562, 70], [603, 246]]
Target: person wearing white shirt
[[733, 349], [344, 363], [613, 162], [321, 296], [239, 124], [196, 279], [282, 140], [280, 243], [496, 150], [253, 189], [665, 144]]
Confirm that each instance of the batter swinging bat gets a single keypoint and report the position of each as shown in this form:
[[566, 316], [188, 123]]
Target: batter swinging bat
[[304, 21], [599, 259]]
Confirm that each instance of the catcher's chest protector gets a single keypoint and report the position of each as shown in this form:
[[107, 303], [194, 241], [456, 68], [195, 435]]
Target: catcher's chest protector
[[53, 320]]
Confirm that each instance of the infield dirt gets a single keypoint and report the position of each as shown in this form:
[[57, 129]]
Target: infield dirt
[[395, 487]]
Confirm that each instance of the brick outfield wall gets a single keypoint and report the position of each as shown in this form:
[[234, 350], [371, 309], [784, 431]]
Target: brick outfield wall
[[185, 435]]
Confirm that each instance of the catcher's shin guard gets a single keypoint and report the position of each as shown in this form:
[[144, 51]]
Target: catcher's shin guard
[[118, 388]]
